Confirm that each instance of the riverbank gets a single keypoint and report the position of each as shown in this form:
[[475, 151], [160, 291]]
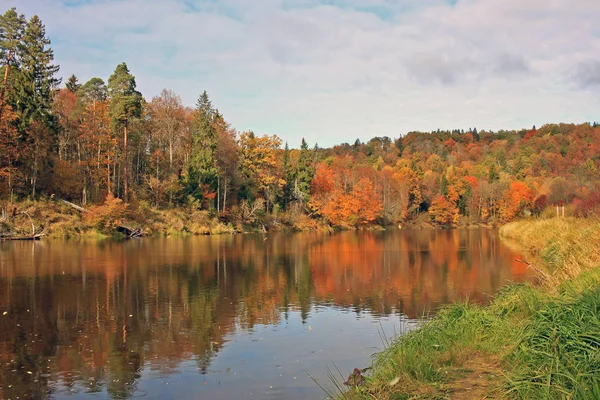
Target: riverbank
[[535, 341], [61, 220]]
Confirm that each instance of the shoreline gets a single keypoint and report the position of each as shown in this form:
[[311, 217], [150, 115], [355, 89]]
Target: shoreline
[[58, 220], [511, 347]]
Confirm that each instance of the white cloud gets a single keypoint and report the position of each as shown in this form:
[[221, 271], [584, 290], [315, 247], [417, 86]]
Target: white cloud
[[349, 68]]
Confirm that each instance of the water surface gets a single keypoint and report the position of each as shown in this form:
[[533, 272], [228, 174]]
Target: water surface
[[225, 317]]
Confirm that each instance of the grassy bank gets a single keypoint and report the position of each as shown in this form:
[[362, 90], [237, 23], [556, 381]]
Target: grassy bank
[[534, 341], [60, 220]]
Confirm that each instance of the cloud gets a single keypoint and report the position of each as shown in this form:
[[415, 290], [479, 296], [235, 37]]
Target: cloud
[[336, 70], [587, 73]]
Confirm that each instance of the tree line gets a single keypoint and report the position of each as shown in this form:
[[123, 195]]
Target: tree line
[[92, 141]]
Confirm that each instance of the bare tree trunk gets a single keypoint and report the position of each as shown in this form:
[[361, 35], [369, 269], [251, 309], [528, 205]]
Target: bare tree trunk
[[4, 81], [225, 196], [108, 174], [125, 179], [218, 192], [170, 155]]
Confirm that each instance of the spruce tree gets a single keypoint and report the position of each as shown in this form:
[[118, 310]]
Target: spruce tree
[[37, 79], [289, 177], [32, 96], [305, 172], [203, 173], [12, 27], [72, 84], [444, 185]]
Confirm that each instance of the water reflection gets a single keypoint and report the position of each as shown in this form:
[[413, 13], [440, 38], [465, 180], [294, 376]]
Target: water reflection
[[82, 318]]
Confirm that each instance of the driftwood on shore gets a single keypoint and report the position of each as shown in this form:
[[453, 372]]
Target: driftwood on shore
[[130, 232], [10, 233], [10, 236]]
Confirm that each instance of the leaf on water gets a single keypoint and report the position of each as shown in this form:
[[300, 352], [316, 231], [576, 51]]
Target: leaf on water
[[5, 312], [310, 328], [394, 381]]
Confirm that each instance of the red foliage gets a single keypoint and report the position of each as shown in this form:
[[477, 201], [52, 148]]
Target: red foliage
[[589, 206], [540, 204]]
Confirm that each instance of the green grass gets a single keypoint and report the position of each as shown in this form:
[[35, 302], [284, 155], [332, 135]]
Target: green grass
[[532, 342], [558, 355]]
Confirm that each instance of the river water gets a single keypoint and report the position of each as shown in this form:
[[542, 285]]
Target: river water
[[226, 317]]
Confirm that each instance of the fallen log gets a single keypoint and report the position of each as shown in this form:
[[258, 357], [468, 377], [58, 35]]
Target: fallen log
[[130, 232], [75, 206], [9, 236]]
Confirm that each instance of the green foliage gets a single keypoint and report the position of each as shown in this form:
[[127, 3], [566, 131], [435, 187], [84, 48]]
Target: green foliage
[[202, 166], [73, 84], [93, 90], [305, 172], [125, 100]]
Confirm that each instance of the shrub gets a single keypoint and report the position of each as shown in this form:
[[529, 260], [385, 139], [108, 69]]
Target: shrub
[[108, 215]]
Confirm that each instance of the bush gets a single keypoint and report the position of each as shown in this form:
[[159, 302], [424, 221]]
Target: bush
[[108, 215], [589, 206]]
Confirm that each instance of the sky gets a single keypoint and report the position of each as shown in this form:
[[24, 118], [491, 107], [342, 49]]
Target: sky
[[332, 71]]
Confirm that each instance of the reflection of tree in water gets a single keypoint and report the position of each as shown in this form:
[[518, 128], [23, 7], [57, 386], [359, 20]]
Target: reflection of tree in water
[[125, 368], [151, 304]]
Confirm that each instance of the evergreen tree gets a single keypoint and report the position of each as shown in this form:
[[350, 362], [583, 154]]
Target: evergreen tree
[[125, 104], [493, 174], [73, 84], [202, 176], [12, 27], [37, 79], [289, 177], [93, 90], [31, 97], [304, 173], [444, 185]]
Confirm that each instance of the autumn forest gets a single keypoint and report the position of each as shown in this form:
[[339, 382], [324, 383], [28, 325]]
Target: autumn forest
[[101, 144]]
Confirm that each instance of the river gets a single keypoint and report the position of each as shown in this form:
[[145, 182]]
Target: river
[[226, 317]]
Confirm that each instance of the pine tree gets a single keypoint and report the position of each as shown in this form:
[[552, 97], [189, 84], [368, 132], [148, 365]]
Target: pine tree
[[73, 84], [93, 90], [125, 104]]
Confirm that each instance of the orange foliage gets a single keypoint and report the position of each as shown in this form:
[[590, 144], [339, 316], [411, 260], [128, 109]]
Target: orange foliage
[[443, 211], [107, 215], [343, 202], [519, 197]]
